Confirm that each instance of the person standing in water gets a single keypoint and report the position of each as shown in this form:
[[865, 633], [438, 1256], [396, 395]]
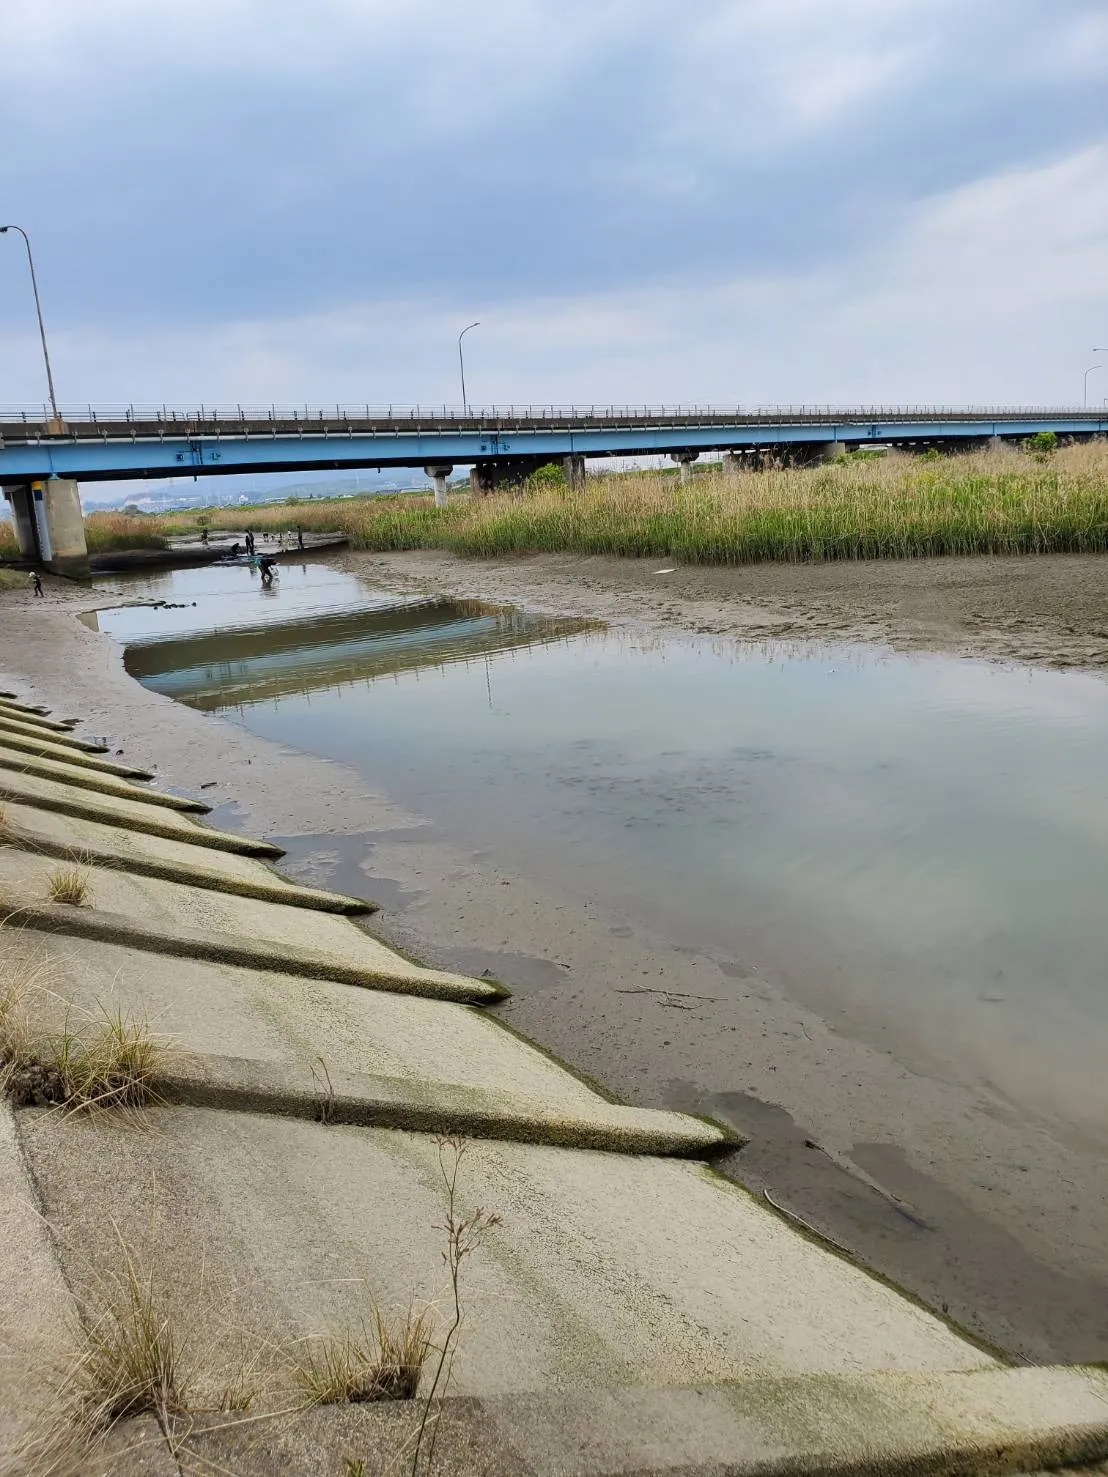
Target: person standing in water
[[267, 564], [299, 537], [250, 543]]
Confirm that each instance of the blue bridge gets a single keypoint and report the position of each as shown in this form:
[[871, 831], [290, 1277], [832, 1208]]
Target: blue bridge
[[42, 460]]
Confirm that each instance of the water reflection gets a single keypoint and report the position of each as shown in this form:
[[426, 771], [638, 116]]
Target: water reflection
[[907, 844]]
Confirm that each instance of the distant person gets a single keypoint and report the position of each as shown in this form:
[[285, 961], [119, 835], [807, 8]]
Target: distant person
[[36, 581], [236, 550], [203, 535], [267, 564], [299, 537], [249, 543]]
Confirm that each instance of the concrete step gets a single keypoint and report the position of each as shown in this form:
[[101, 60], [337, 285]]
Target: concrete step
[[25, 713], [960, 1424], [134, 815], [64, 837], [43, 748], [57, 734], [93, 779], [604, 1269]]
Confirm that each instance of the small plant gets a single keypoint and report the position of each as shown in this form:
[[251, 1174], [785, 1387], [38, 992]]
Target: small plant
[[131, 1363], [464, 1234], [381, 1362], [115, 1067], [69, 885]]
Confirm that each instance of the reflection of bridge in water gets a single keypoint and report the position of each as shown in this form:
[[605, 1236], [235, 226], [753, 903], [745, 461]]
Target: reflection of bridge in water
[[220, 669]]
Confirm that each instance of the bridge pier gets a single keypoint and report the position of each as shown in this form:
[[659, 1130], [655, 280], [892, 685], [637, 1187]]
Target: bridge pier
[[684, 460], [503, 473], [574, 468], [49, 524], [438, 474]]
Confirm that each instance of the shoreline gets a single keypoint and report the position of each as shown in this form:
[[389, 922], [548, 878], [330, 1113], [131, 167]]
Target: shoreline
[[956, 1197]]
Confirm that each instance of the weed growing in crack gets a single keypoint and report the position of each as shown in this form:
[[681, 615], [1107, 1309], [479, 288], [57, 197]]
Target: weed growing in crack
[[116, 1066], [69, 885], [381, 1361]]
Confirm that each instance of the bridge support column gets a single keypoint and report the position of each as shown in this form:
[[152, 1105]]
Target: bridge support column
[[438, 475], [684, 460], [574, 468], [49, 524], [503, 473], [828, 451]]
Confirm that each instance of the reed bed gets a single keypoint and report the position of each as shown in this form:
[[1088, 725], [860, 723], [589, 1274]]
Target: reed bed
[[106, 532], [897, 507]]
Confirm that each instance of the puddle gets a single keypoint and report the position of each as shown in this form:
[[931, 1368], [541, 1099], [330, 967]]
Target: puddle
[[916, 847]]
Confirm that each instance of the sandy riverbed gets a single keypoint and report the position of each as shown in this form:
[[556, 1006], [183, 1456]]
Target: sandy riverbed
[[956, 1192]]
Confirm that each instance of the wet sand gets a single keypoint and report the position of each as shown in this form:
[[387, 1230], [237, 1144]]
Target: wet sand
[[954, 1191]]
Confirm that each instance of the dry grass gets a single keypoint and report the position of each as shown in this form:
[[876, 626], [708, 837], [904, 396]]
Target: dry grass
[[109, 531], [131, 1363], [115, 1066], [69, 885], [995, 502], [379, 1362]]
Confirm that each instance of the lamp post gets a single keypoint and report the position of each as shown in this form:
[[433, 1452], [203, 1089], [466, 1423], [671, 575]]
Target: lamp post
[[1091, 370], [462, 363], [38, 310]]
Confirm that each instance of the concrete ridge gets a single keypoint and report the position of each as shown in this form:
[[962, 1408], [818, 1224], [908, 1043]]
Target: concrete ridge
[[12, 724], [47, 749], [114, 928], [89, 779], [75, 803], [37, 716], [970, 1424], [9, 700], [365, 1100], [277, 891]]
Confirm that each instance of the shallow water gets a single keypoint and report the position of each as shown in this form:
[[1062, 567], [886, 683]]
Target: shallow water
[[898, 841]]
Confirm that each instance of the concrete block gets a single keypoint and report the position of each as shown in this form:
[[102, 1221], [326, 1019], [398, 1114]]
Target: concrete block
[[36, 717], [605, 1270], [47, 749], [38, 1321], [134, 815], [33, 728], [65, 836], [93, 779]]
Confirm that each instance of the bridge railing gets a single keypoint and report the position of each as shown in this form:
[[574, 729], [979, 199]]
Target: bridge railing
[[480, 416]]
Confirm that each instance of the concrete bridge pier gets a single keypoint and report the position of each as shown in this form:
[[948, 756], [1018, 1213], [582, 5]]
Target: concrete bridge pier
[[49, 524], [684, 460], [574, 468], [503, 473], [828, 451], [438, 474]]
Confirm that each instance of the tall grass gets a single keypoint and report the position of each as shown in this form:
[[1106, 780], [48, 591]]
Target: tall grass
[[106, 532], [998, 502]]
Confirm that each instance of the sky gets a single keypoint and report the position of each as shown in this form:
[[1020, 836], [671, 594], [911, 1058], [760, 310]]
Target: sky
[[642, 201]]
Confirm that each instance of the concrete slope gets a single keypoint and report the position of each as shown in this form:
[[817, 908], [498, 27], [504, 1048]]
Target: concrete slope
[[171, 918], [66, 837], [93, 779], [134, 815], [867, 1426], [33, 728], [45, 749], [607, 1269]]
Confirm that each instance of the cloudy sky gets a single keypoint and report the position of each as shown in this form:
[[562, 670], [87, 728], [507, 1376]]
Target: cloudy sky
[[748, 201]]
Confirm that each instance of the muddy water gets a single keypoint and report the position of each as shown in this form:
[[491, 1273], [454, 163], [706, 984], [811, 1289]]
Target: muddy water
[[915, 846]]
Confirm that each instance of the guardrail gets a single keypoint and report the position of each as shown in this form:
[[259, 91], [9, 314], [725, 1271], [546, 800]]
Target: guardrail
[[305, 414]]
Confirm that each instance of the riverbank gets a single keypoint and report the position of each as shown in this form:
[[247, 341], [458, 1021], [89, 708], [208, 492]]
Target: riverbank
[[950, 1190], [1006, 501]]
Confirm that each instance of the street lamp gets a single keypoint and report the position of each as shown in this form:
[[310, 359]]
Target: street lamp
[[462, 363], [38, 310], [1091, 370]]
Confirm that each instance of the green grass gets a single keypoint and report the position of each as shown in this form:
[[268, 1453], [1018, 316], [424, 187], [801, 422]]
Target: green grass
[[1001, 502]]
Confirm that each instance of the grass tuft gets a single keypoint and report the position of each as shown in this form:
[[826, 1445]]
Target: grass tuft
[[69, 885], [382, 1362], [116, 1066], [131, 1363]]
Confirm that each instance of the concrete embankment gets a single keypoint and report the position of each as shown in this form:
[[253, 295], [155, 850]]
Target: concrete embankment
[[628, 1311]]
